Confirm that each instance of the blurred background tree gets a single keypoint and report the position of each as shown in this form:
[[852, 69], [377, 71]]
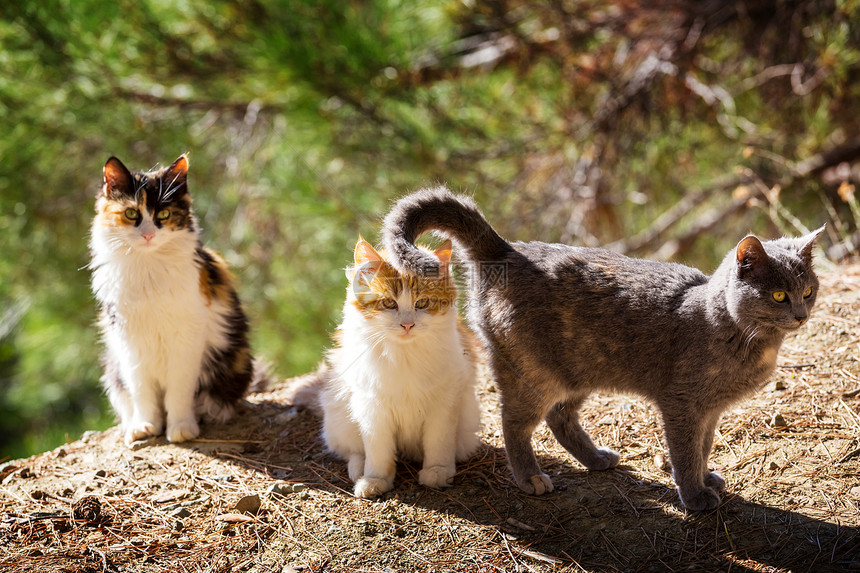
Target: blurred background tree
[[659, 129]]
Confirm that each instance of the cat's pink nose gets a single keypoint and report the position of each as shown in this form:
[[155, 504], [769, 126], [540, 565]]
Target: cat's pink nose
[[407, 326], [147, 236]]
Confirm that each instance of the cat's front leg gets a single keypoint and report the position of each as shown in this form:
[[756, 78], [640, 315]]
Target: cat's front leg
[[687, 434], [439, 443], [712, 479], [379, 464], [180, 398], [146, 419]]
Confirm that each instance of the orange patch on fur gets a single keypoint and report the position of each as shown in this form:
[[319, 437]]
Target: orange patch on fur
[[216, 282]]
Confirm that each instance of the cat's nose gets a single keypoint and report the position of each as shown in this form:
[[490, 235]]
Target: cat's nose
[[147, 236], [407, 326]]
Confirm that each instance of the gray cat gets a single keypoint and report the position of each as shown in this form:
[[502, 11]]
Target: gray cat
[[561, 322]]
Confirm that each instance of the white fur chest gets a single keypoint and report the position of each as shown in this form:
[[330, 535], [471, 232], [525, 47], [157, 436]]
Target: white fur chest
[[399, 385], [157, 316]]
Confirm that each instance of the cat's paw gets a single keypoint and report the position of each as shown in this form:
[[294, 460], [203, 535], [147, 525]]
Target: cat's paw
[[604, 459], [183, 430], [437, 477], [140, 431], [715, 481], [368, 487], [536, 485], [702, 499]]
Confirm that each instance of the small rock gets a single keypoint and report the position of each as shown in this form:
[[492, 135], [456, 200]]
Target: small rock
[[178, 525], [249, 504], [304, 494], [89, 436], [224, 478], [297, 487], [101, 474], [778, 421], [181, 513], [773, 466], [779, 385], [280, 489]]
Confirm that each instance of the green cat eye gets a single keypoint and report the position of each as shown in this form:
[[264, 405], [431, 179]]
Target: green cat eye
[[163, 215], [422, 303], [389, 303], [779, 296], [808, 292], [131, 214]]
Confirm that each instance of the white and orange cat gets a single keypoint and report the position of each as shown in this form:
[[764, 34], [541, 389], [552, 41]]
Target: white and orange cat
[[400, 380], [175, 334]]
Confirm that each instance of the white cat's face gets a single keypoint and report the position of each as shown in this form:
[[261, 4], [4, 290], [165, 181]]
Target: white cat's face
[[398, 308], [408, 317]]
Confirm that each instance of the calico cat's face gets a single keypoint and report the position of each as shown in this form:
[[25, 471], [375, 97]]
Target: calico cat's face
[[776, 286], [144, 212], [399, 307]]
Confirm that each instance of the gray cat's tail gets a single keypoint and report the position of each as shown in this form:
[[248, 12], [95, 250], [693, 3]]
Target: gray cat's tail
[[438, 209]]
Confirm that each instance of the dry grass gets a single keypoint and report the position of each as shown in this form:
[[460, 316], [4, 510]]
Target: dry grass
[[791, 456]]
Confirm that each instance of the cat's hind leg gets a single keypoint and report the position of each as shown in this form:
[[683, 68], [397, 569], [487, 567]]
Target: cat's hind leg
[[520, 416], [213, 410], [563, 420]]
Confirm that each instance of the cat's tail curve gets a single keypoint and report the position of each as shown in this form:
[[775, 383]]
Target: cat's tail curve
[[304, 391], [437, 209]]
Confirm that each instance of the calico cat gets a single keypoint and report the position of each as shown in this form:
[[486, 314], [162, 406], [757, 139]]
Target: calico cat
[[561, 322], [400, 379], [175, 334]]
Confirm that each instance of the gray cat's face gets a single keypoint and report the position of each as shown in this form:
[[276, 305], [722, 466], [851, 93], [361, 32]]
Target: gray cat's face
[[774, 285]]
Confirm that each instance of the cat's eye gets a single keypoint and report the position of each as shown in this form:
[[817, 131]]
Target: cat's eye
[[163, 215], [131, 214], [389, 303], [779, 296], [808, 292], [422, 303]]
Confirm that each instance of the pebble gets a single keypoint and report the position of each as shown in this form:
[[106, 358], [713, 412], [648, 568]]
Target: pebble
[[249, 504]]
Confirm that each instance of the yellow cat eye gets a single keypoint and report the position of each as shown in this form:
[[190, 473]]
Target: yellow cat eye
[[808, 292], [779, 296], [163, 215], [131, 214], [389, 303], [422, 303]]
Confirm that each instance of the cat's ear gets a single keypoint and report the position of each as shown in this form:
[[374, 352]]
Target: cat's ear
[[366, 259], [365, 253], [751, 256], [176, 176], [807, 242], [118, 180], [443, 253]]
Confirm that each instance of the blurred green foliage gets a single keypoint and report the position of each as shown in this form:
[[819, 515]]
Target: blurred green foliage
[[579, 122]]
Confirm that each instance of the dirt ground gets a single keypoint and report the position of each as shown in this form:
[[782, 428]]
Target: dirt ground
[[261, 494]]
